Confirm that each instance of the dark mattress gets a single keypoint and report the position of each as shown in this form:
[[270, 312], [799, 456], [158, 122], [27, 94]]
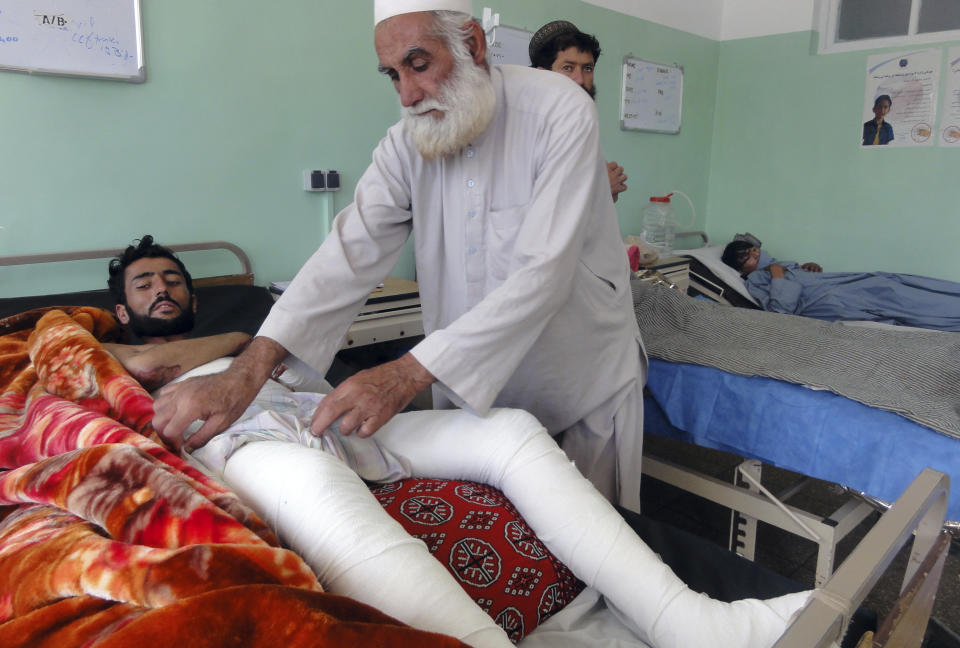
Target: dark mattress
[[219, 308]]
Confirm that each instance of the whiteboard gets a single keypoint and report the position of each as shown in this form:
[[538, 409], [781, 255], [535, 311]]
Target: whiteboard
[[89, 38], [509, 45], [651, 96]]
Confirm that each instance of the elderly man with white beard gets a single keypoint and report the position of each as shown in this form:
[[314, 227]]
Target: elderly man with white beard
[[524, 283]]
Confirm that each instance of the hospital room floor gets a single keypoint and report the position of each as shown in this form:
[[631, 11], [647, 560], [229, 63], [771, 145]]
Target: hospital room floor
[[784, 552]]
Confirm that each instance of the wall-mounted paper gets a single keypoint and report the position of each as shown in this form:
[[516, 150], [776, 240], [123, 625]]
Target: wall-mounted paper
[[905, 86], [950, 122]]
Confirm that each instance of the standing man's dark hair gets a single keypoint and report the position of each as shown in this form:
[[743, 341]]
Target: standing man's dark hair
[[145, 248], [560, 47], [556, 36]]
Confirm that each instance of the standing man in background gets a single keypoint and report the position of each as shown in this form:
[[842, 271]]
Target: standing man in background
[[561, 47], [523, 276]]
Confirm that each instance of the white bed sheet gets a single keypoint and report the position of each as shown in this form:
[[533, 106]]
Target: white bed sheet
[[586, 622]]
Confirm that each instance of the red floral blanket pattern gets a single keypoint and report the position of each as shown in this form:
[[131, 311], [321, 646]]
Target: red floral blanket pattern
[[107, 538]]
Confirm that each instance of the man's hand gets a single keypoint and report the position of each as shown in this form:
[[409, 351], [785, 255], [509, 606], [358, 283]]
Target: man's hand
[[776, 271], [370, 398], [810, 266], [618, 179], [218, 399]]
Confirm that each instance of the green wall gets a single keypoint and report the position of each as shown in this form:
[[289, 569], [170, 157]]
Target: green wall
[[655, 163], [787, 166], [240, 98]]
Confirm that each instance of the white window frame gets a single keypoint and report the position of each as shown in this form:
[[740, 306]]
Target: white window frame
[[828, 12]]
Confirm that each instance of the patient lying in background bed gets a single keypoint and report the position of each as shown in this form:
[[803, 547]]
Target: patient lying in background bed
[[900, 299]]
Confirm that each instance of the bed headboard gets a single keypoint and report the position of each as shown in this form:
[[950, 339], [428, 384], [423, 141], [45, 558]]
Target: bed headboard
[[244, 278], [225, 302]]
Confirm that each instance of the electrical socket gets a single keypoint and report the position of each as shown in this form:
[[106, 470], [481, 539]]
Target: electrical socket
[[321, 180]]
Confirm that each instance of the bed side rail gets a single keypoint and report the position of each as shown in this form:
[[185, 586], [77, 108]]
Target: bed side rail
[[106, 253], [919, 512], [704, 241]]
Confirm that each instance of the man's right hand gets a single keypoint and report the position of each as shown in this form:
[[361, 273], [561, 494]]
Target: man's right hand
[[218, 399], [617, 178]]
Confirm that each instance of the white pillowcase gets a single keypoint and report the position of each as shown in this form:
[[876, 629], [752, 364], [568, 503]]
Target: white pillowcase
[[710, 257]]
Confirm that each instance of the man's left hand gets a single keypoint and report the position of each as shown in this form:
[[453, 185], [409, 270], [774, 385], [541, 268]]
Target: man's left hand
[[618, 179], [367, 400], [811, 267]]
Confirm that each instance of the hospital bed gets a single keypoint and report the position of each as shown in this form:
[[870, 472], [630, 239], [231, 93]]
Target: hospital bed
[[872, 452], [918, 512]]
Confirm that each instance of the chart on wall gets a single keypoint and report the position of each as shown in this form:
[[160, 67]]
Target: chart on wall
[[508, 45], [950, 122], [85, 38], [651, 96], [900, 106]]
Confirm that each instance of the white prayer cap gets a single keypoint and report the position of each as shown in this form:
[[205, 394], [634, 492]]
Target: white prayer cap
[[383, 9]]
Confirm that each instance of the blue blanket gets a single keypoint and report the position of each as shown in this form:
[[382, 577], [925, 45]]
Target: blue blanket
[[816, 433], [908, 300]]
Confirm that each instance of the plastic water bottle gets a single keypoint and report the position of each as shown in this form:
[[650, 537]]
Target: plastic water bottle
[[659, 224]]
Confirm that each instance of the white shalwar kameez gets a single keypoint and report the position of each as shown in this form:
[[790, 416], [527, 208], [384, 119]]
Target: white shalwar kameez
[[522, 273]]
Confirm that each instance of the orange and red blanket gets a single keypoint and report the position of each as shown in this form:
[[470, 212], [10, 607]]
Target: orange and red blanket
[[108, 539]]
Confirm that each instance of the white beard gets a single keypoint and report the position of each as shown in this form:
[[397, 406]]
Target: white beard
[[467, 101]]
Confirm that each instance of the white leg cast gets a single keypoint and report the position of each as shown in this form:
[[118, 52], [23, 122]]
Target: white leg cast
[[322, 510], [510, 450]]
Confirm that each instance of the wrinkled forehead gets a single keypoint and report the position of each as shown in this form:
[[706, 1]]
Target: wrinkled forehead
[[395, 38], [150, 267]]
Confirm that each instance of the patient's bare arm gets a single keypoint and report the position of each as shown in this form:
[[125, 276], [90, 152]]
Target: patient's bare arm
[[154, 365], [217, 399], [371, 397], [776, 271]]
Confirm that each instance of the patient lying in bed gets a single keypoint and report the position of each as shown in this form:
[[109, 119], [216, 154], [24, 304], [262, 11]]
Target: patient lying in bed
[[901, 299], [310, 491]]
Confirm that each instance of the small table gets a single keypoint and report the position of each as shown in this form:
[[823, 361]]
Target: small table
[[391, 312]]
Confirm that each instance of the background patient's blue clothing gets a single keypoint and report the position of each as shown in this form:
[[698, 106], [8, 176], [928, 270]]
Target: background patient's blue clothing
[[909, 300]]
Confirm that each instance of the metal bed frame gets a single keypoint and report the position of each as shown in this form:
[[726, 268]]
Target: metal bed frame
[[918, 513], [246, 277]]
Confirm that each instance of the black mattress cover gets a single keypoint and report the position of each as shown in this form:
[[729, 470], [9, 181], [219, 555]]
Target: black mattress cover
[[220, 309]]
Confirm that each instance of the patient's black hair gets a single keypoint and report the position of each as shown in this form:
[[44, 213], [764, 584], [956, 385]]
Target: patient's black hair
[[145, 248], [733, 254]]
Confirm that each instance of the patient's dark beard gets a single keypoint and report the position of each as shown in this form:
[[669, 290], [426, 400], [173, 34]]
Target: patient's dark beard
[[144, 326]]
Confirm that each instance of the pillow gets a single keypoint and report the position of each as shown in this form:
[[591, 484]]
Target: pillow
[[710, 257], [477, 534]]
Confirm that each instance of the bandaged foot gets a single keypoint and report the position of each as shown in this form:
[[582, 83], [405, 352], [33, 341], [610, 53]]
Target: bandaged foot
[[511, 451], [691, 619]]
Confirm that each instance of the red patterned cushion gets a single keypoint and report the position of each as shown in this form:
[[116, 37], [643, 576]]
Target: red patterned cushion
[[476, 533]]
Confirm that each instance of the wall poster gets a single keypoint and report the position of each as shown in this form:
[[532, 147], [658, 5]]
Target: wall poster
[[900, 106], [950, 121]]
